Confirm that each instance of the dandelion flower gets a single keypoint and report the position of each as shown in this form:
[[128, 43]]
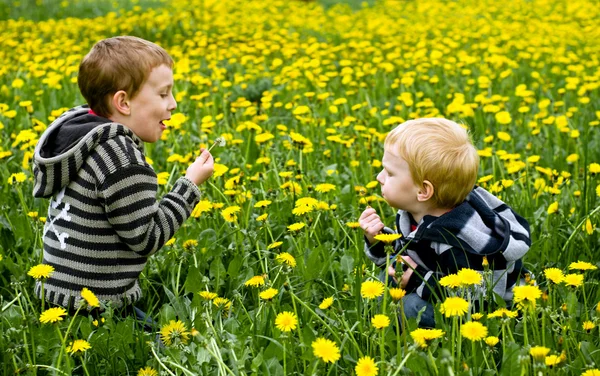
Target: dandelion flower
[[326, 349], [286, 321], [469, 277], [268, 294], [553, 360], [553, 208], [591, 372], [476, 316], [524, 294], [371, 289], [353, 224], [450, 281], [366, 367], [262, 204], [90, 298], [296, 226], [387, 238], [147, 371], [207, 295], [491, 341], [503, 312], [274, 245], [78, 346], [573, 279], [380, 321], [324, 188], [286, 258], [229, 214], [554, 275], [222, 302], [326, 303], [255, 281], [397, 293], [41, 271], [473, 330], [588, 326], [174, 332], [52, 315], [539, 352], [421, 336], [454, 306], [582, 265]]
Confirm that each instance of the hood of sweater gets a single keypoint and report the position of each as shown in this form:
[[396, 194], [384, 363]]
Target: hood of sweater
[[482, 224], [67, 143]]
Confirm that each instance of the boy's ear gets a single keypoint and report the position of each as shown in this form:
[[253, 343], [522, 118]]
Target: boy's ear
[[426, 191], [120, 102]]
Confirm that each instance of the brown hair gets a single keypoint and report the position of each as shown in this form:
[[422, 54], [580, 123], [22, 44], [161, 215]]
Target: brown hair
[[440, 151], [118, 63]]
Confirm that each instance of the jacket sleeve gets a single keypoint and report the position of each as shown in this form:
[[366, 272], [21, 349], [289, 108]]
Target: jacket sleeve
[[141, 222]]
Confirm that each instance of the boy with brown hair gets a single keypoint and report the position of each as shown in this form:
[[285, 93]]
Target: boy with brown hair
[[104, 220], [429, 173]]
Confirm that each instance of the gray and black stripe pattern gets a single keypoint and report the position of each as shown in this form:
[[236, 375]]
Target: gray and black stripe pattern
[[481, 226], [103, 219]]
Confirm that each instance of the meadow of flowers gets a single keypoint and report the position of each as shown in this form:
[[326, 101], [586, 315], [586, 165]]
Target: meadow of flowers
[[269, 275]]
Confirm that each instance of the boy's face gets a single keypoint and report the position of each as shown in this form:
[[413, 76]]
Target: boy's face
[[397, 185], [152, 105]]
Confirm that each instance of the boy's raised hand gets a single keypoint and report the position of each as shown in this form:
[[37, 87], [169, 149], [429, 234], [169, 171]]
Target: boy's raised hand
[[370, 223], [202, 168]]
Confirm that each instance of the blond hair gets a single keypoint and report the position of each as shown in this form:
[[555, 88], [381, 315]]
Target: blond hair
[[119, 63], [440, 151]]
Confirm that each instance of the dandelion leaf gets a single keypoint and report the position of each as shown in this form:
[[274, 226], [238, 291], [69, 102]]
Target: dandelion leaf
[[193, 281], [510, 360]]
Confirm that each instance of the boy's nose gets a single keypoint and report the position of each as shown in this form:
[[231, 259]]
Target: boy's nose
[[380, 178], [173, 104]]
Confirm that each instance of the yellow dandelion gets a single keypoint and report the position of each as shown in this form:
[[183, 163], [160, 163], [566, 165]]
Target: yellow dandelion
[[147, 371], [324, 188], [78, 346], [573, 279], [326, 303], [274, 245], [371, 289], [380, 321], [286, 321], [41, 271], [469, 277], [539, 352], [591, 372], [286, 258], [229, 214], [90, 298], [296, 226], [588, 326], [326, 349], [502, 313], [174, 333], [473, 330], [553, 360], [582, 265], [454, 306], [256, 281], [387, 238], [421, 336], [207, 295], [52, 315], [353, 224], [366, 367], [262, 204], [526, 294], [554, 275], [491, 341], [450, 281], [268, 294], [397, 293]]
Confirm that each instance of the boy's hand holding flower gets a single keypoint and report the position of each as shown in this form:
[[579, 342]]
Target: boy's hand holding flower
[[371, 224], [407, 274], [202, 168]]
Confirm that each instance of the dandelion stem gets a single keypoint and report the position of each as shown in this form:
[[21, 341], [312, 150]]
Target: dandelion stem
[[160, 362]]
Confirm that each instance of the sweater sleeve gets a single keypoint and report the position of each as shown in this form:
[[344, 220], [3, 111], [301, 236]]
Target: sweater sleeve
[[141, 222]]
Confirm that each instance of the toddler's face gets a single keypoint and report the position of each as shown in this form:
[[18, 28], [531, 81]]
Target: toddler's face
[[152, 105], [397, 185]]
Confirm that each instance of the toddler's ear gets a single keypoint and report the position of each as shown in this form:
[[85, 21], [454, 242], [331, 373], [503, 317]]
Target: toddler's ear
[[120, 103], [426, 191]]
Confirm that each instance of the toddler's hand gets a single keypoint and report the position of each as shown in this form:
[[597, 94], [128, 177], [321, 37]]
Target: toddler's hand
[[370, 223], [407, 274], [202, 168]]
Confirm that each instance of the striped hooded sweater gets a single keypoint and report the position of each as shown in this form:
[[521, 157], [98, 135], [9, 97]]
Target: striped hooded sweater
[[481, 226], [104, 219]]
